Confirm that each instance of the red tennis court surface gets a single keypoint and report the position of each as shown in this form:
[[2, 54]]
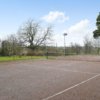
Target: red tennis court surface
[[66, 78]]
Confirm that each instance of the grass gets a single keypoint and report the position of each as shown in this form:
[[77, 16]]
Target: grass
[[14, 58]]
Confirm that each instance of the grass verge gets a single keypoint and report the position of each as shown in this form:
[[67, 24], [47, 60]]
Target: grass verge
[[15, 58]]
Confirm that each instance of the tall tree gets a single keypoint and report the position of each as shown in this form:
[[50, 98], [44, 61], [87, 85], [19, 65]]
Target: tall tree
[[96, 33], [33, 34]]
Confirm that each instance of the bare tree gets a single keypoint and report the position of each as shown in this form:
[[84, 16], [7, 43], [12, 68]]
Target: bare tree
[[15, 44], [88, 45], [34, 35], [97, 45], [11, 46], [0, 46], [75, 48], [4, 48]]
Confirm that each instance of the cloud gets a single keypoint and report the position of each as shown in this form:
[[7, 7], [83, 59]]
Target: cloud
[[76, 33], [55, 16], [79, 27]]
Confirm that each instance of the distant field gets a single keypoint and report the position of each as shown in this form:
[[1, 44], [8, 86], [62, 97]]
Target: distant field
[[20, 58]]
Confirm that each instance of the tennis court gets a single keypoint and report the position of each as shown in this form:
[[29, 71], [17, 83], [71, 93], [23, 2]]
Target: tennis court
[[65, 78]]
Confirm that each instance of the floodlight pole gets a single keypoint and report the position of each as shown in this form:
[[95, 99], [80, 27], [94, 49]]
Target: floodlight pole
[[65, 34]]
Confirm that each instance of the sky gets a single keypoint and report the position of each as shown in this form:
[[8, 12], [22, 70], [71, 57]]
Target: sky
[[77, 18]]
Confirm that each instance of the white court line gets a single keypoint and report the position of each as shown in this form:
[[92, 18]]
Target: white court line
[[56, 94]]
